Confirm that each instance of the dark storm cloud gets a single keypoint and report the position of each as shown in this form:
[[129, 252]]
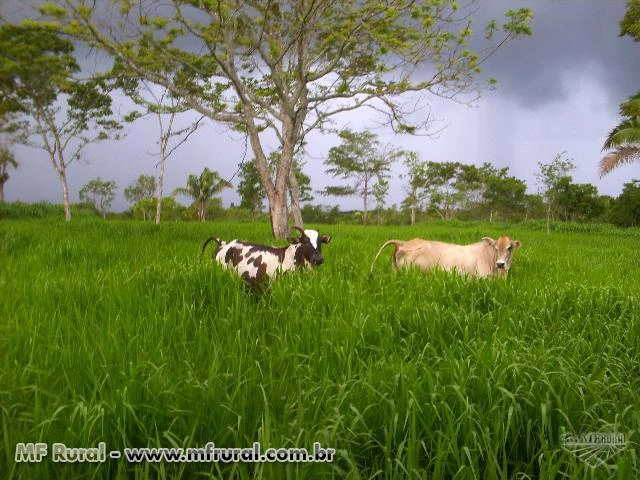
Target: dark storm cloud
[[569, 37]]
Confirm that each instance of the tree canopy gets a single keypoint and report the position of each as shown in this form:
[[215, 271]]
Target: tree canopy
[[99, 194], [201, 188], [623, 142], [283, 68], [38, 76], [360, 158]]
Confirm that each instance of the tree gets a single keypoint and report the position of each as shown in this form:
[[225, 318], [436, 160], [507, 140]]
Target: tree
[[577, 202], [252, 192], [144, 188], [414, 187], [505, 195], [202, 188], [7, 160], [299, 184], [630, 23], [283, 68], [535, 207], [624, 139], [165, 108], [437, 184], [625, 211], [99, 195], [250, 189], [358, 158], [549, 177], [380, 191], [441, 187], [37, 76]]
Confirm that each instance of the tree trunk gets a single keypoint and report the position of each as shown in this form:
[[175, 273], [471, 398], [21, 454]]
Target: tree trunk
[[276, 190], [364, 214], [278, 212], [65, 194], [202, 206], [1, 192], [59, 167], [549, 218], [295, 199], [160, 188], [413, 214]]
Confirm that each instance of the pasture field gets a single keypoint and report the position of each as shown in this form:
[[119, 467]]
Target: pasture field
[[113, 332]]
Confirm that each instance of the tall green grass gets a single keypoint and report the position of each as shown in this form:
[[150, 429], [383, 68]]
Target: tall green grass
[[114, 332]]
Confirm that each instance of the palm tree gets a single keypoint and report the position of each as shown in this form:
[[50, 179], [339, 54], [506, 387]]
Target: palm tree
[[202, 188], [6, 160], [624, 139]]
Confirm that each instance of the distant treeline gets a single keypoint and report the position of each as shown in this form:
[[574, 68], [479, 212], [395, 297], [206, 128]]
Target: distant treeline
[[574, 203]]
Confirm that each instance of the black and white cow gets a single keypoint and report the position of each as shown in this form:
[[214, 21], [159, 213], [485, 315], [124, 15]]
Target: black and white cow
[[256, 263]]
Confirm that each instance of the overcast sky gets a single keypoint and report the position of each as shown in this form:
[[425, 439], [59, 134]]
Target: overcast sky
[[558, 90]]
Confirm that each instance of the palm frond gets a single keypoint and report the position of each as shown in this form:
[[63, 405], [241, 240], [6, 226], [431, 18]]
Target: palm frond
[[628, 132], [182, 191], [620, 156]]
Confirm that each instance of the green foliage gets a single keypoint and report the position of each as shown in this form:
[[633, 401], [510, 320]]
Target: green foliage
[[98, 194], [360, 158], [258, 66], [577, 202], [630, 23], [380, 191], [202, 188], [535, 207], [36, 66], [624, 140], [625, 211], [250, 188], [38, 72], [321, 214], [404, 372], [143, 188], [42, 210], [171, 210], [549, 176], [504, 195], [214, 208], [7, 160], [447, 188]]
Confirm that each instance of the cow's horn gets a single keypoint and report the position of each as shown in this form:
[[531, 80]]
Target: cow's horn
[[300, 230]]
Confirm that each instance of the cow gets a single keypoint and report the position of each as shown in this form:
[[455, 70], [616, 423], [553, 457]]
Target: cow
[[486, 258], [257, 263]]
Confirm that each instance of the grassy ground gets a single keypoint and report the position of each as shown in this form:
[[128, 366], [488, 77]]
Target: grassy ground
[[113, 332]]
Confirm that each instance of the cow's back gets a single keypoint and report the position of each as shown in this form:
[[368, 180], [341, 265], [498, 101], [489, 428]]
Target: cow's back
[[429, 254]]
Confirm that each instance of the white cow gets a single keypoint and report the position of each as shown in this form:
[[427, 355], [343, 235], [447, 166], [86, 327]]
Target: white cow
[[486, 258]]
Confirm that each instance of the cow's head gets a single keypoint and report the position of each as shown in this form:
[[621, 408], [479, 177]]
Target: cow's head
[[309, 246], [504, 248]]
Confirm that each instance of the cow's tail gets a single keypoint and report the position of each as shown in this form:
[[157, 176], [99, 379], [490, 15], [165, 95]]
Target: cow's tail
[[217, 240], [395, 243]]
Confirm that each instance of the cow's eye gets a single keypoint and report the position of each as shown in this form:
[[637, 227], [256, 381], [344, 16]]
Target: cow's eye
[[509, 247]]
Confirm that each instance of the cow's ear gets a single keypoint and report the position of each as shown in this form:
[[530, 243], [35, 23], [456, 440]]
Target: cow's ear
[[326, 238], [489, 241], [516, 244], [293, 240]]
